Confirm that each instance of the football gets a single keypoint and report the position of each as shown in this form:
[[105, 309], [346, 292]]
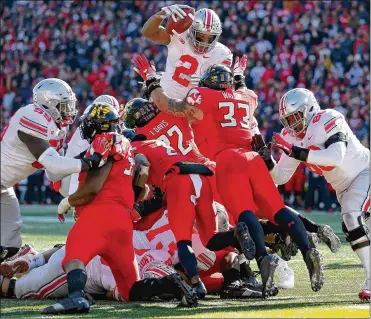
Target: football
[[181, 25]]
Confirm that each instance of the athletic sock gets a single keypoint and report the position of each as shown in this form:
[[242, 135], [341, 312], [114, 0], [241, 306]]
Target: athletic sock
[[309, 225], [256, 233], [187, 257], [76, 280], [292, 224], [222, 240]]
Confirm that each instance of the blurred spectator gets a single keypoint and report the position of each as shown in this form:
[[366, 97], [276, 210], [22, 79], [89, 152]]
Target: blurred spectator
[[321, 45]]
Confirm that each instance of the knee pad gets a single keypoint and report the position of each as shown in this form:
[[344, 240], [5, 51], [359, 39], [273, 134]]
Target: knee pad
[[360, 231]]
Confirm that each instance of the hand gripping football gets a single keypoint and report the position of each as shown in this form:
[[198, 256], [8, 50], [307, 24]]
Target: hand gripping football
[[174, 28]]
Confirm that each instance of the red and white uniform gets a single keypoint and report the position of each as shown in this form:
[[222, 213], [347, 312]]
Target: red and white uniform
[[323, 125], [183, 63], [17, 162]]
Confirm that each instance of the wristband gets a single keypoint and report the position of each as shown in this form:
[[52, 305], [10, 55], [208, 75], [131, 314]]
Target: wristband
[[299, 153], [152, 84], [239, 82]]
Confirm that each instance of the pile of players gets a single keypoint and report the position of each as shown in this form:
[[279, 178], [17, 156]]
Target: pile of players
[[178, 186]]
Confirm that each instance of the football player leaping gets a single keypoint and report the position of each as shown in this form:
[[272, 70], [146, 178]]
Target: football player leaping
[[31, 141], [325, 143], [190, 53]]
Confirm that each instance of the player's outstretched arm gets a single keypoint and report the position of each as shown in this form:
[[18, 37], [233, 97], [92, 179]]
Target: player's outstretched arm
[[153, 30], [140, 176], [49, 157]]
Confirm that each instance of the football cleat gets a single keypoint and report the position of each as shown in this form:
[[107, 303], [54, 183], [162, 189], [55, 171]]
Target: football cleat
[[364, 295], [252, 283], [328, 236], [19, 263], [244, 239], [268, 266], [200, 289], [75, 303], [314, 262], [238, 290], [189, 297]]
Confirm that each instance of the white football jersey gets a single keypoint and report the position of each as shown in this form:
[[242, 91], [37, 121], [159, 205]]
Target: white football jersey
[[323, 125], [159, 243], [100, 277], [77, 144], [17, 162], [183, 63]]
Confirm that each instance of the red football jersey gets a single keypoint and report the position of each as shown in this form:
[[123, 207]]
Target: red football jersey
[[118, 185], [161, 156], [227, 119], [173, 131]]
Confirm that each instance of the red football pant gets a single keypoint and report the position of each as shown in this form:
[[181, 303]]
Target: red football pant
[[105, 230], [244, 183], [213, 278], [189, 199]]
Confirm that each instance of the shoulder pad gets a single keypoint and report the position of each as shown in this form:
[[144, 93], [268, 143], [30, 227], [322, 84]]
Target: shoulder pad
[[35, 121], [195, 96]]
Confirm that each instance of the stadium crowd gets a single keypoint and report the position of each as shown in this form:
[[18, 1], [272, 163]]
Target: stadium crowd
[[320, 45]]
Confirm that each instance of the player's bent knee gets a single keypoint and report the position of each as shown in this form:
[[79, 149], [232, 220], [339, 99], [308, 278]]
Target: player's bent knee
[[357, 232]]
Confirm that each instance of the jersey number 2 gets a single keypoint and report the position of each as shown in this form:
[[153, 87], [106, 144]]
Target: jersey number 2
[[230, 121], [181, 72]]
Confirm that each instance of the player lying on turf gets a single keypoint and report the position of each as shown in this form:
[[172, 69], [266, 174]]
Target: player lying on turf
[[323, 140], [245, 184], [110, 191]]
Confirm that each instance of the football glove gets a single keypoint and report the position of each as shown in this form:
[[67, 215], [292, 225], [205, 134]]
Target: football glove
[[239, 66], [147, 70], [99, 150], [299, 153], [258, 145], [175, 11]]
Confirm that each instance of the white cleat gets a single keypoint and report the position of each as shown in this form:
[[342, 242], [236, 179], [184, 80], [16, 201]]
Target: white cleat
[[19, 263], [364, 295]]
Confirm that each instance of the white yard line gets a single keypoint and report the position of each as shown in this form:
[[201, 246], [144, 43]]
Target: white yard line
[[44, 219]]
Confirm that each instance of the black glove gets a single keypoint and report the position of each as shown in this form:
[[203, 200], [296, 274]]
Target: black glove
[[259, 146], [93, 161]]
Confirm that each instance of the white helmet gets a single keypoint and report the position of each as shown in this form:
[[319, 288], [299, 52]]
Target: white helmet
[[297, 108], [109, 99], [57, 98], [205, 31]]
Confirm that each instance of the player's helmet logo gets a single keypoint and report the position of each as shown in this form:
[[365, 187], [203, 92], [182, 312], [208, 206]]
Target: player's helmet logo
[[139, 112], [98, 118], [217, 77]]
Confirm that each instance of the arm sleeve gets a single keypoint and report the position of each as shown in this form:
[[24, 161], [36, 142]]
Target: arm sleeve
[[254, 126], [77, 144], [331, 156], [284, 169], [57, 165]]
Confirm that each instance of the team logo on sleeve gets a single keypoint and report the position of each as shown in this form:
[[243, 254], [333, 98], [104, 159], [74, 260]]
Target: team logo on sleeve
[[194, 97]]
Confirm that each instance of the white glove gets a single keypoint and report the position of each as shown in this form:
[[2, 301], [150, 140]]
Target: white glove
[[239, 66], [175, 11], [63, 208]]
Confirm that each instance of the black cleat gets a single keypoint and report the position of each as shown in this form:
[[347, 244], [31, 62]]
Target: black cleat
[[200, 289], [268, 266], [252, 283], [314, 262], [328, 236], [189, 296], [244, 239], [75, 303], [238, 290]]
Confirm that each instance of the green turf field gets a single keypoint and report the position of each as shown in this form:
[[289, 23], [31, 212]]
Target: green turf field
[[338, 298]]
